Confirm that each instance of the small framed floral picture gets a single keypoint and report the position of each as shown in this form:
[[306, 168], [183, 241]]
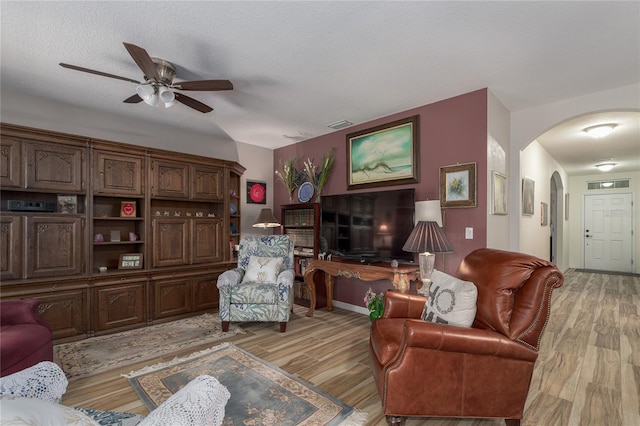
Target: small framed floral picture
[[128, 209], [458, 185]]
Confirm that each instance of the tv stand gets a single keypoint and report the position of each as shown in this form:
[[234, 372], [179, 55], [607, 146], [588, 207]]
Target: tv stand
[[400, 276]]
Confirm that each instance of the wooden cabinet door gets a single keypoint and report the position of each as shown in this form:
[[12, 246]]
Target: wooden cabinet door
[[54, 246], [10, 163], [171, 296], [118, 174], [205, 292], [54, 167], [206, 240], [170, 241], [208, 184], [120, 305], [170, 179], [12, 253], [66, 312]]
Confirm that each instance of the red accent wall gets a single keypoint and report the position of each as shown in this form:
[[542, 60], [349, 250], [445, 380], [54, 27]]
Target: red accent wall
[[451, 131]]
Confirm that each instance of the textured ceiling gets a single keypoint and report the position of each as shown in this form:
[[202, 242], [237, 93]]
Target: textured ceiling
[[298, 66]]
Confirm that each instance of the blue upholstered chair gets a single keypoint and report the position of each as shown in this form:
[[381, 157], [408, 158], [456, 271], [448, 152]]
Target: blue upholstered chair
[[259, 288]]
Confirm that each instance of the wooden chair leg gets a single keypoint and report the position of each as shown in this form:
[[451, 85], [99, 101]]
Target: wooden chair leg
[[395, 420], [225, 326], [283, 327], [512, 422]]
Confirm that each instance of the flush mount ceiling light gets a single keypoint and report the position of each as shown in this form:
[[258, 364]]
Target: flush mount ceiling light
[[605, 167], [600, 130]]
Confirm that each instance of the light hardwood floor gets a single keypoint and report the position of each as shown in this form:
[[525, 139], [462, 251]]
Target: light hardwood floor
[[587, 373]]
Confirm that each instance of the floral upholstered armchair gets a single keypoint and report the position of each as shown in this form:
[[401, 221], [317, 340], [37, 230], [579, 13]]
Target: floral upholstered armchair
[[259, 288]]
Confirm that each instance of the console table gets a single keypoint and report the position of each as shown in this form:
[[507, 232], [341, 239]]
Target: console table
[[399, 276]]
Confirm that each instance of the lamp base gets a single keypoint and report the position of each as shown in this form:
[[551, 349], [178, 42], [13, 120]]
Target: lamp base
[[427, 262]]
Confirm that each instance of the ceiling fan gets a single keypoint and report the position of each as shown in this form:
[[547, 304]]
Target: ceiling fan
[[159, 85]]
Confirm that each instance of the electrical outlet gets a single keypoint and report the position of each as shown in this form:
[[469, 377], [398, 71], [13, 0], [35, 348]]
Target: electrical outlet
[[468, 233]]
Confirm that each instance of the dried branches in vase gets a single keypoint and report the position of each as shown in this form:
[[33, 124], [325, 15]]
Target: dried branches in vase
[[319, 176], [289, 176]]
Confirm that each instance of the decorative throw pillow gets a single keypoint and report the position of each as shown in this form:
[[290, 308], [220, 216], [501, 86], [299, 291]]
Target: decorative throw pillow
[[451, 301], [263, 269], [32, 411]]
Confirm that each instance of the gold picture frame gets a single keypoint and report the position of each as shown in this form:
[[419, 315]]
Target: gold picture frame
[[458, 185], [384, 155]]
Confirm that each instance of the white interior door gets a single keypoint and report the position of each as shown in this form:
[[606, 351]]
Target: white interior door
[[608, 242]]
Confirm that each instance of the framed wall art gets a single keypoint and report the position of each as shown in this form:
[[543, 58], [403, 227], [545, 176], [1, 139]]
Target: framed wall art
[[458, 185], [544, 214], [68, 203], [256, 192], [128, 209], [498, 193], [566, 206], [528, 191], [384, 155], [130, 261]]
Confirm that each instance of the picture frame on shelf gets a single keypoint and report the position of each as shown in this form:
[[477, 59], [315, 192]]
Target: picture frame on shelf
[[128, 209], [384, 155], [458, 185], [256, 192], [130, 261], [528, 196], [68, 204], [498, 193]]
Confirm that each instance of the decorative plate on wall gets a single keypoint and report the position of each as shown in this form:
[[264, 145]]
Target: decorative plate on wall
[[234, 208], [305, 192]]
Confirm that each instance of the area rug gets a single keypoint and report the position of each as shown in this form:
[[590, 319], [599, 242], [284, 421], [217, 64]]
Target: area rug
[[103, 353], [261, 393]]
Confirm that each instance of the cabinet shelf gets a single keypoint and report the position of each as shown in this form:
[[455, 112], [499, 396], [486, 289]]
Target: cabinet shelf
[[110, 218], [116, 243]]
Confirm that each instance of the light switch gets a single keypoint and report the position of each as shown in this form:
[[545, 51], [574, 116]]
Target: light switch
[[468, 233]]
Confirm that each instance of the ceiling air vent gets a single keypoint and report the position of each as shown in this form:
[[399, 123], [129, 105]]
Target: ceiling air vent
[[608, 184], [340, 124]]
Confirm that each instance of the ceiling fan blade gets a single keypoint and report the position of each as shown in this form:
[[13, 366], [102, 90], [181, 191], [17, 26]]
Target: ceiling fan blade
[[133, 99], [192, 103], [204, 85], [143, 60], [104, 74]]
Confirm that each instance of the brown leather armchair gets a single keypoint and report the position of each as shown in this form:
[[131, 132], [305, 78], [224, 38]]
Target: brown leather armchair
[[425, 369]]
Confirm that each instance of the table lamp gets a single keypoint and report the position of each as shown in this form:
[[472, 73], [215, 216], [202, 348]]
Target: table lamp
[[265, 220], [427, 238]]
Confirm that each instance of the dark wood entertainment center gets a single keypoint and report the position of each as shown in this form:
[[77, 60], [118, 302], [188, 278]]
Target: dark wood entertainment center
[[83, 205]]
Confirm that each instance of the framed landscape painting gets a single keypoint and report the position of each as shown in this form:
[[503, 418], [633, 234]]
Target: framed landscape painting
[[528, 191], [458, 185], [384, 155], [498, 193]]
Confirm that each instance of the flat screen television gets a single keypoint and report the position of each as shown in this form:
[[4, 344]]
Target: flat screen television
[[369, 226]]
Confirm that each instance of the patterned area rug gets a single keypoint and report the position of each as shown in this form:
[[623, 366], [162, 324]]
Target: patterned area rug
[[261, 393], [98, 354]]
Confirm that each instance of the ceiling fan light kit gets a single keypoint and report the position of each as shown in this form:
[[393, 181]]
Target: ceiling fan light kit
[[600, 130], [159, 75]]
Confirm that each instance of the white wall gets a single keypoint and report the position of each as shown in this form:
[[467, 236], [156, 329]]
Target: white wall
[[537, 164], [26, 110], [528, 124], [577, 191], [498, 129], [259, 164]]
